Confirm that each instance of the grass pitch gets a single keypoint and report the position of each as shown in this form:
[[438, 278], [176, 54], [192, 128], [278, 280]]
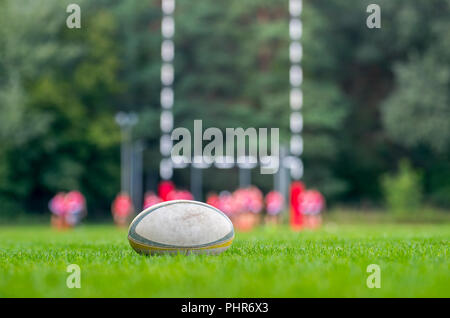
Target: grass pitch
[[267, 262]]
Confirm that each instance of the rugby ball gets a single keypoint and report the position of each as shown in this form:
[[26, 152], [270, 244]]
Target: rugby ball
[[181, 227]]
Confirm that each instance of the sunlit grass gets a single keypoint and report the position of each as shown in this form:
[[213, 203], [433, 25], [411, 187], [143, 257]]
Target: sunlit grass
[[268, 262]]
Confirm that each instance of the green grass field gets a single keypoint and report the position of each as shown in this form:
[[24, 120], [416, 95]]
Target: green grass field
[[268, 262]]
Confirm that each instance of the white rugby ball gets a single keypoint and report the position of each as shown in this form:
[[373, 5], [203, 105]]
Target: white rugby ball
[[181, 226]]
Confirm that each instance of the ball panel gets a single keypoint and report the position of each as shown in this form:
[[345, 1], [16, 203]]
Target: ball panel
[[181, 226], [184, 225]]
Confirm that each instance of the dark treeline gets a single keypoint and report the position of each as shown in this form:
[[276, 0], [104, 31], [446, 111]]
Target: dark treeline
[[371, 96]]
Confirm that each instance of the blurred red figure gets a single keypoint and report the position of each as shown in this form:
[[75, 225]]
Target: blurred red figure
[[255, 200], [312, 203], [67, 209], [151, 199], [75, 207], [248, 202], [164, 188], [184, 195], [213, 200], [227, 204], [240, 200], [274, 205], [57, 206], [296, 218], [179, 195], [122, 208]]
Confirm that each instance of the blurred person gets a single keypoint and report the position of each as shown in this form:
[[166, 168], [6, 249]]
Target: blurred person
[[242, 219], [213, 199], [168, 192], [122, 208], [185, 195], [179, 195], [312, 204], [249, 202], [227, 204], [57, 206], [296, 216], [75, 208], [255, 200], [164, 188], [255, 204], [274, 205], [150, 199]]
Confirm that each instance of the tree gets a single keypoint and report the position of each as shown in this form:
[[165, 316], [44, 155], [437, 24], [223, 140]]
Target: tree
[[59, 90], [232, 67]]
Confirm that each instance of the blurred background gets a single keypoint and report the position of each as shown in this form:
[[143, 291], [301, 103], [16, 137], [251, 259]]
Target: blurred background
[[376, 101]]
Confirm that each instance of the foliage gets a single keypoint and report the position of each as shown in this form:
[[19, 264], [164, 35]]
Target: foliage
[[403, 191], [422, 96], [395, 79], [370, 96], [232, 71], [56, 99], [419, 111]]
